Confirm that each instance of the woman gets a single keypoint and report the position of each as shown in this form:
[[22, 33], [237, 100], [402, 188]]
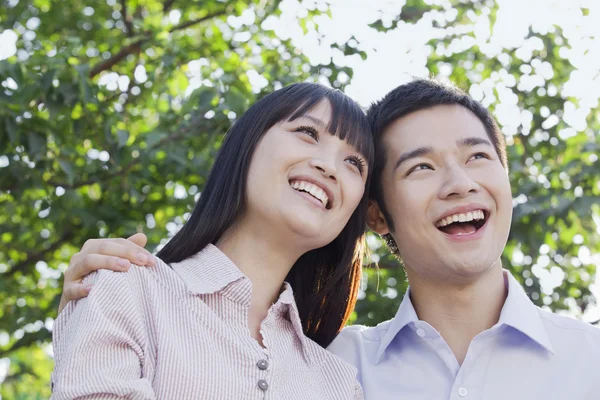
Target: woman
[[242, 300]]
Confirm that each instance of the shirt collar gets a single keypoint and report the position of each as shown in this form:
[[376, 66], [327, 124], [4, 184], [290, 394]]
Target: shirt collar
[[521, 314], [208, 271], [518, 312], [405, 315], [287, 303]]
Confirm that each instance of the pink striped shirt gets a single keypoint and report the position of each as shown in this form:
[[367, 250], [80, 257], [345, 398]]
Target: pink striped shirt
[[182, 333]]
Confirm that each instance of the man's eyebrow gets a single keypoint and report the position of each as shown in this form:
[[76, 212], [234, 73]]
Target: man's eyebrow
[[418, 152], [473, 141], [426, 150]]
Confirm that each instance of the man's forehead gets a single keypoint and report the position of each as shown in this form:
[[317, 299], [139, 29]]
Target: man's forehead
[[435, 126]]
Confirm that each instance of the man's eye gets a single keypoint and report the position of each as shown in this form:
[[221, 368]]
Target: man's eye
[[479, 156], [420, 167]]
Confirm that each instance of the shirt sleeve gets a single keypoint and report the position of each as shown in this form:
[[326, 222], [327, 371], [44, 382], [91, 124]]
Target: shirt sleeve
[[100, 341]]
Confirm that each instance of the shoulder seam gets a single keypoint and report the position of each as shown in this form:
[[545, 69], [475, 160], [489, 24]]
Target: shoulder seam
[[592, 330]]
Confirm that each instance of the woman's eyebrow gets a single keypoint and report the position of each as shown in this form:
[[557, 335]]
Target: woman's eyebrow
[[316, 120]]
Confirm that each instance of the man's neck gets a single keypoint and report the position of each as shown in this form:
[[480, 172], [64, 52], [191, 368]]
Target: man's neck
[[460, 312]]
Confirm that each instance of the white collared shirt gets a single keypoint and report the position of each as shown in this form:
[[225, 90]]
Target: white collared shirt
[[529, 354]]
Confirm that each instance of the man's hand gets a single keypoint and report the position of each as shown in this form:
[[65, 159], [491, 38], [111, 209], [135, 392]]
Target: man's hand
[[113, 254]]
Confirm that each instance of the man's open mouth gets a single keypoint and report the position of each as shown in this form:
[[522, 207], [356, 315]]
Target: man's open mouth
[[463, 223]]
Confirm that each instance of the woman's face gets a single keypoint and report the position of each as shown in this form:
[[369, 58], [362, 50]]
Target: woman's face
[[304, 183]]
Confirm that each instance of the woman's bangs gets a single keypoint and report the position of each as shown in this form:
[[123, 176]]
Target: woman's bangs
[[348, 121]]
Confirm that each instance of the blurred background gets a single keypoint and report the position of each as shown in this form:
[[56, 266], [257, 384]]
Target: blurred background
[[111, 113]]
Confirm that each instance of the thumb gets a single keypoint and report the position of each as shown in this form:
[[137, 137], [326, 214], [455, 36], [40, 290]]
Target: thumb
[[139, 238]]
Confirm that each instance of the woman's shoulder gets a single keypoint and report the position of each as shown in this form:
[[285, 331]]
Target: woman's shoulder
[[141, 279]]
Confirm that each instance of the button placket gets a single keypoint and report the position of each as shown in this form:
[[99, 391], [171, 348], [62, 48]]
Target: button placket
[[263, 365]]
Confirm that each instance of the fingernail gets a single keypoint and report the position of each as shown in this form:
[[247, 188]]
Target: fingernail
[[123, 263], [142, 258]]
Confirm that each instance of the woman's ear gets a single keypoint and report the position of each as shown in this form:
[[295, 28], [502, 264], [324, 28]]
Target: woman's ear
[[375, 219]]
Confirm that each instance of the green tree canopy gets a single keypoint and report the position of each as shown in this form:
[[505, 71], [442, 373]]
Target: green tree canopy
[[111, 113]]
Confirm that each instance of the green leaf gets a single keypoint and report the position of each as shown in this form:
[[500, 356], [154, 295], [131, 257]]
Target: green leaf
[[68, 168], [10, 127], [37, 144], [122, 137]]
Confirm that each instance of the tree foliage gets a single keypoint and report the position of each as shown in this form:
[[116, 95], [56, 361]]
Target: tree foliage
[[111, 113]]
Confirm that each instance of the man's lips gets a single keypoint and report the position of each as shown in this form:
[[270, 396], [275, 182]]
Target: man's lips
[[465, 213], [467, 237]]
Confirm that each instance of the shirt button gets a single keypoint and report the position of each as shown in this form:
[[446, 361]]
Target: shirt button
[[462, 392], [263, 385], [421, 332], [262, 364]]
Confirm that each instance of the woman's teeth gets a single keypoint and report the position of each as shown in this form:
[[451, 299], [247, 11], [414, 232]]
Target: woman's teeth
[[312, 189]]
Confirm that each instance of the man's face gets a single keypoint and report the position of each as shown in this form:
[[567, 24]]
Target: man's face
[[447, 193]]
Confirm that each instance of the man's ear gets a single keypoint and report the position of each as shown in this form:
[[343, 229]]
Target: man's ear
[[376, 220]]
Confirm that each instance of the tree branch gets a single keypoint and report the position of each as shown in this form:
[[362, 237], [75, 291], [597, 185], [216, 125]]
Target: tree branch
[[40, 255], [134, 47], [126, 19], [197, 21], [167, 5], [26, 341]]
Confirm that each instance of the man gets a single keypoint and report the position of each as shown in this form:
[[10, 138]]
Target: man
[[442, 200], [465, 329]]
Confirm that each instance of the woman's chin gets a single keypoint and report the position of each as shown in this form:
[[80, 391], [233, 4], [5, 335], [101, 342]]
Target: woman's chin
[[310, 233]]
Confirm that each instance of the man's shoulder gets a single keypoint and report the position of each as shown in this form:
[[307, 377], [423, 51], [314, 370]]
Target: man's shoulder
[[570, 330], [355, 336]]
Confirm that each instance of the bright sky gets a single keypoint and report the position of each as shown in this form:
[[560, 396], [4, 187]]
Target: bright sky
[[396, 56]]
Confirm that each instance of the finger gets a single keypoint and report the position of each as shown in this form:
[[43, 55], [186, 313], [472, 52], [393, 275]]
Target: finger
[[139, 238], [93, 262], [142, 256], [77, 291], [121, 248], [75, 258]]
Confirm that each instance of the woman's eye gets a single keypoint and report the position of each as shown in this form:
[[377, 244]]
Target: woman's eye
[[358, 163], [309, 130]]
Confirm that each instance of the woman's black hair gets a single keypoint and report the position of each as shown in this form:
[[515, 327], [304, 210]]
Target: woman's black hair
[[325, 280]]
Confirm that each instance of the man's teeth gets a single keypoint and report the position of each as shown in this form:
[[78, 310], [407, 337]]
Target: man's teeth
[[313, 189], [461, 217]]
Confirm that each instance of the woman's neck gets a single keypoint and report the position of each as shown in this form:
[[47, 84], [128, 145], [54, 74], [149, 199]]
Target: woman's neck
[[265, 260]]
